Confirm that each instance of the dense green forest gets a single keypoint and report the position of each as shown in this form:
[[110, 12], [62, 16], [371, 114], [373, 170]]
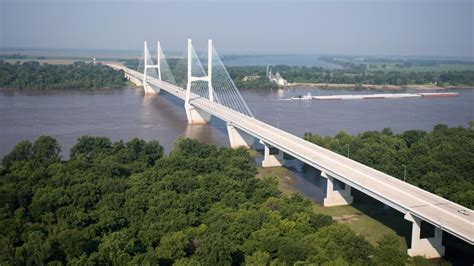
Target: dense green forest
[[440, 161], [355, 75], [128, 203], [350, 74], [32, 75], [260, 83], [356, 62], [12, 56], [238, 74]]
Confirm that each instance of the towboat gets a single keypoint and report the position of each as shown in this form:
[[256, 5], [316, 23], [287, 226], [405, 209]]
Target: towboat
[[303, 97]]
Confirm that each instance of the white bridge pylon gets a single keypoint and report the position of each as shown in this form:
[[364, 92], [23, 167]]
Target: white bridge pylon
[[198, 81], [159, 70], [150, 68], [216, 85]]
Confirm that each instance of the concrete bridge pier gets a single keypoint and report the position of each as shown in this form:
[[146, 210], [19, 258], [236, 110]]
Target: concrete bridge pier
[[196, 115], [271, 158], [336, 197], [134, 80], [149, 90], [430, 247], [238, 138]]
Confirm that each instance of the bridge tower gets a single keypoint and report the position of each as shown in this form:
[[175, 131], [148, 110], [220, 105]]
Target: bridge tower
[[195, 115], [148, 89]]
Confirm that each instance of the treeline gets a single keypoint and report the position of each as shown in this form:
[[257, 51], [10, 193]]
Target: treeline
[[12, 56], [352, 74], [258, 83], [238, 73], [32, 75], [357, 76], [440, 161], [344, 63], [349, 61], [129, 204]]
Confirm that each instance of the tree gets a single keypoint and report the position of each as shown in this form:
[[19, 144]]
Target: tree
[[34, 251], [45, 150], [128, 203], [338, 241], [388, 251], [89, 147], [439, 161], [258, 258], [21, 152], [33, 76], [117, 248], [173, 246]]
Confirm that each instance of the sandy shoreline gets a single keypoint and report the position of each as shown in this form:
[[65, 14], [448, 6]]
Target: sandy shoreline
[[374, 87]]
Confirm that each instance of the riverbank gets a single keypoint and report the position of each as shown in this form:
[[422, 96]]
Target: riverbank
[[65, 91], [34, 76], [367, 217], [372, 225], [337, 86]]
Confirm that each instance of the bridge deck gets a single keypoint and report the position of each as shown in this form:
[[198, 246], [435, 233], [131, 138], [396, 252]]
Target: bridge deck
[[389, 190]]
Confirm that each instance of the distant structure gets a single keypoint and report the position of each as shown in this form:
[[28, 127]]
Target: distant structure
[[93, 61], [277, 78]]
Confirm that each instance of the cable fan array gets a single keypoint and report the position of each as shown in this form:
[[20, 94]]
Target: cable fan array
[[224, 90], [164, 70]]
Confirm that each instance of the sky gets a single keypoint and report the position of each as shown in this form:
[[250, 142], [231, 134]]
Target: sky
[[352, 27]]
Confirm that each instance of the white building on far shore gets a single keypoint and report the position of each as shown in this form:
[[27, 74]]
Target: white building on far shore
[[277, 78]]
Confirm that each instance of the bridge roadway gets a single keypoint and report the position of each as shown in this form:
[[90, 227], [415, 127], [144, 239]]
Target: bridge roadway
[[393, 192]]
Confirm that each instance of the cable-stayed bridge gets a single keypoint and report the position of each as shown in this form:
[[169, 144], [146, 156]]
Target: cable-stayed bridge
[[213, 93]]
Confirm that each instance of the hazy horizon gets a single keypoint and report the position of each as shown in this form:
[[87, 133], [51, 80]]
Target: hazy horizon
[[419, 28], [71, 52]]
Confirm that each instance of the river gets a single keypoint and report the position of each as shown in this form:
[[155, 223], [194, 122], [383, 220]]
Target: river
[[128, 113]]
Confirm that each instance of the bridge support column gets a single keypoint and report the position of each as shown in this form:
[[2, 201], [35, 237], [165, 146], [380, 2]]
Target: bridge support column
[[271, 160], [195, 115], [146, 57], [431, 247], [134, 80], [149, 90], [238, 138], [336, 197]]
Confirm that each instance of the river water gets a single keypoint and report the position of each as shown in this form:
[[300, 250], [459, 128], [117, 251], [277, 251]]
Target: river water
[[128, 113]]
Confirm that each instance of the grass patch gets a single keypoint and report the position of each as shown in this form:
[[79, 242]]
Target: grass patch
[[283, 175], [253, 153], [369, 218], [366, 216]]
